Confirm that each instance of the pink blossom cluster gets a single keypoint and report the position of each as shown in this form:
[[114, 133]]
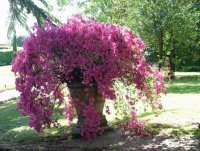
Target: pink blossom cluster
[[134, 127], [91, 128], [100, 51]]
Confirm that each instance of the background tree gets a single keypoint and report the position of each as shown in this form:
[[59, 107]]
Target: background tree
[[18, 14], [19, 41], [167, 26]]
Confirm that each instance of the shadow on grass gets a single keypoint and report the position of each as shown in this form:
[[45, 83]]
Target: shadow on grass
[[184, 85], [10, 117], [27, 135], [14, 127], [156, 128], [103, 142], [179, 131]]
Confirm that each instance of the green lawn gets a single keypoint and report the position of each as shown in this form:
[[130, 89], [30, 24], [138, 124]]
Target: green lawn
[[14, 127], [184, 84], [181, 111]]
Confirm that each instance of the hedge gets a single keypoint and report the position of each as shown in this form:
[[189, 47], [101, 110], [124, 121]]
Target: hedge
[[6, 57], [190, 69]]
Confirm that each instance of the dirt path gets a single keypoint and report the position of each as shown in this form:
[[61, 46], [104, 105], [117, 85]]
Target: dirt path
[[7, 95], [112, 141], [180, 109]]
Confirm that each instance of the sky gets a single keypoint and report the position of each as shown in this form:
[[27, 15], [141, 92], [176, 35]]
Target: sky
[[4, 9]]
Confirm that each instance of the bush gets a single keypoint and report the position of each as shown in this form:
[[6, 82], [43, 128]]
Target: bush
[[190, 68], [82, 52], [6, 58]]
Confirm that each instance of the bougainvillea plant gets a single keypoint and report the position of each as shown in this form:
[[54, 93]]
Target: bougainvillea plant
[[86, 51]]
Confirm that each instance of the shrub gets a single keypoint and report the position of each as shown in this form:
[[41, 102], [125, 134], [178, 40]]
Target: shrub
[[6, 57], [190, 68], [86, 51]]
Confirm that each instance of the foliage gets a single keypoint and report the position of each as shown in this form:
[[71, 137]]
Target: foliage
[[189, 68], [6, 57], [62, 3], [18, 14], [19, 10], [161, 24], [19, 41], [82, 50], [134, 127]]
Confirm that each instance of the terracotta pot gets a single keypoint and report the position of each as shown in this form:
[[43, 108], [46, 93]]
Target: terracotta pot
[[77, 92]]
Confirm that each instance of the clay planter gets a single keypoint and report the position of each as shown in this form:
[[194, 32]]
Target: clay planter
[[77, 92]]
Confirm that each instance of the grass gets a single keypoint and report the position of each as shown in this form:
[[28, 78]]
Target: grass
[[11, 117], [184, 85], [177, 131], [14, 127]]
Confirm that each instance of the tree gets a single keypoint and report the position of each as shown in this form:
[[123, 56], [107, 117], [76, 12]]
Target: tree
[[161, 23], [19, 41], [19, 11], [14, 44], [169, 21]]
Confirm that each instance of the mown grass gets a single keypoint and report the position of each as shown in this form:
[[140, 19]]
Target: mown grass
[[14, 127], [184, 85]]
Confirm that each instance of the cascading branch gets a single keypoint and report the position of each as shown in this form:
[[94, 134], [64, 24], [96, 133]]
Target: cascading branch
[[81, 50]]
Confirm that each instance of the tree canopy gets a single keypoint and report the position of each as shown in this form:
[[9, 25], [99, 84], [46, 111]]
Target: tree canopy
[[18, 14], [169, 27]]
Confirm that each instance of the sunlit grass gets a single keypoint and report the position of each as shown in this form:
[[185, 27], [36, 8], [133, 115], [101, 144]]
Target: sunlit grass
[[184, 85]]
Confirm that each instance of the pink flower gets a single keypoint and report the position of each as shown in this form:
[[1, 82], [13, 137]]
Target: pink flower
[[99, 52]]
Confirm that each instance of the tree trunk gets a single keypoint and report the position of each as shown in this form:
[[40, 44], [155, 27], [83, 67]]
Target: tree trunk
[[14, 43], [160, 46], [171, 56], [171, 73]]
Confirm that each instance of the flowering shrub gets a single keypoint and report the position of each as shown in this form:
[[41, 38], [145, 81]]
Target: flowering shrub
[[82, 50], [92, 126], [134, 127]]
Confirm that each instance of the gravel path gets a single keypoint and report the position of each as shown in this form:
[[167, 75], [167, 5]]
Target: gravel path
[[7, 95]]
